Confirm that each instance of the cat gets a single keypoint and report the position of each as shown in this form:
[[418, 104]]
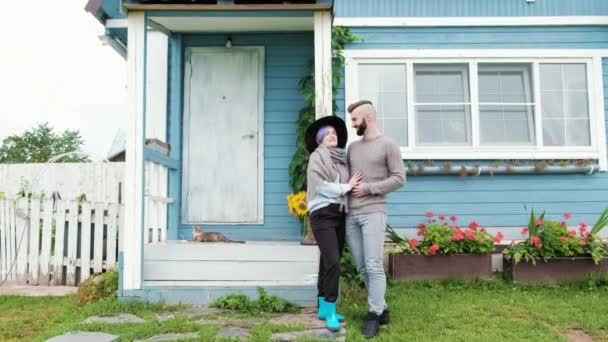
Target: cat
[[199, 236]]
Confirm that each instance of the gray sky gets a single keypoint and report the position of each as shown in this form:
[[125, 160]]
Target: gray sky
[[54, 68]]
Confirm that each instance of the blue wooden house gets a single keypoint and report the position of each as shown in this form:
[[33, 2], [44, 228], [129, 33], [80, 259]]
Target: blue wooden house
[[498, 106]]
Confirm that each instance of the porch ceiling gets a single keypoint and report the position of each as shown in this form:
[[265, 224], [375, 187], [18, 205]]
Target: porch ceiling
[[234, 24]]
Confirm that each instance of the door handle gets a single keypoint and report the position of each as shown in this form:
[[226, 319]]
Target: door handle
[[250, 135]]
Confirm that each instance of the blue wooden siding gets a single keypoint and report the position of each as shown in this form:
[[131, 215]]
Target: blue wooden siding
[[287, 56], [468, 8], [501, 200]]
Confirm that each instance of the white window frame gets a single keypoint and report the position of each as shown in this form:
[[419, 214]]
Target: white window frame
[[592, 59]]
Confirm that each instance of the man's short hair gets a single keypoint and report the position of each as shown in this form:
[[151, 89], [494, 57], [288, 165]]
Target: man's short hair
[[357, 104]]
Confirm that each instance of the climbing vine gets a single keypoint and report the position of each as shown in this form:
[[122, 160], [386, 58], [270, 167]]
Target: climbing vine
[[306, 115]]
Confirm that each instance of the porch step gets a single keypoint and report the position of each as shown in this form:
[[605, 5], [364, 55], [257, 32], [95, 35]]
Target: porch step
[[254, 263]]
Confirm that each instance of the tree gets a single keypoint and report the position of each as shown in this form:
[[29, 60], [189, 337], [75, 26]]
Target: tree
[[40, 144]]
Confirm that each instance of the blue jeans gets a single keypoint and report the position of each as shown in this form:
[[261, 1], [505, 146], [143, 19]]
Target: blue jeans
[[365, 236]]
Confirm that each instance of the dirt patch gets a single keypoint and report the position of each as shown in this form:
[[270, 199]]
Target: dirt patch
[[578, 336]]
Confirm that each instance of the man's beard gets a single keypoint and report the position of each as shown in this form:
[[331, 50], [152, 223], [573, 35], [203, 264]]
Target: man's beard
[[362, 127]]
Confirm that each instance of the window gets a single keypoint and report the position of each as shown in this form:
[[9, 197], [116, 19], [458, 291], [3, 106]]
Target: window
[[485, 105], [506, 107], [384, 85], [565, 104], [443, 113]]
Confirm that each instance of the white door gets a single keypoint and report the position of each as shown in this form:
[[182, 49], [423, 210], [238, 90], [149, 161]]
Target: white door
[[223, 159]]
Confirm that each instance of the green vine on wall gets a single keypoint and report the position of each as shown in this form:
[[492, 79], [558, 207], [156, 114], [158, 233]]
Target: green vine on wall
[[299, 162]]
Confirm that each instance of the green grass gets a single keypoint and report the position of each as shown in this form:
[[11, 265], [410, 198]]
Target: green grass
[[424, 311]]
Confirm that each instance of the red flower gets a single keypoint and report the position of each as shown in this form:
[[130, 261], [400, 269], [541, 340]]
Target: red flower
[[474, 225], [567, 216], [413, 242], [433, 250], [572, 233], [453, 218], [498, 237], [524, 231], [458, 235], [483, 230], [421, 225], [564, 239], [534, 239], [432, 220], [538, 245], [582, 224], [429, 214], [441, 217], [562, 223], [539, 222], [421, 233]]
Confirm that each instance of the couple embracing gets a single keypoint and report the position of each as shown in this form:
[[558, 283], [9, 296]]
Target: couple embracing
[[346, 197]]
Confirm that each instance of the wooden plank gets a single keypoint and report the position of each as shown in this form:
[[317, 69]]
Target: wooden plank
[[229, 270], [121, 227], [34, 245], [59, 243], [72, 243], [46, 242], [251, 251], [147, 203], [3, 242], [200, 7], [164, 179], [98, 238], [22, 228], [111, 236], [323, 61], [85, 242], [155, 207], [12, 247]]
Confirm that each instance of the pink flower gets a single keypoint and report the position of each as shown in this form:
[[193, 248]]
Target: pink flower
[[498, 237], [433, 250], [421, 225], [582, 224], [538, 245], [539, 222], [524, 231], [453, 218], [429, 214], [564, 239], [458, 235], [441, 217], [582, 229], [562, 223], [567, 216], [474, 225], [534, 239], [421, 233], [483, 230], [512, 242], [413, 242], [572, 233]]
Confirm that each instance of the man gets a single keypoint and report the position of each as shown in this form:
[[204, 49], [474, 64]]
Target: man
[[378, 158]]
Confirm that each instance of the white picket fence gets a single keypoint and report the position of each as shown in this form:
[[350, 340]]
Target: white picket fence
[[61, 243]]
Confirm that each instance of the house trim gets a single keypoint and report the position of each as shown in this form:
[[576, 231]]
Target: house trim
[[470, 21]]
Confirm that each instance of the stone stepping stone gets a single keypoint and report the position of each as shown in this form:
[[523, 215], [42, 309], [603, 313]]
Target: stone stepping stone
[[308, 320], [318, 334], [79, 336], [122, 318], [194, 312], [237, 322], [171, 337], [234, 333]]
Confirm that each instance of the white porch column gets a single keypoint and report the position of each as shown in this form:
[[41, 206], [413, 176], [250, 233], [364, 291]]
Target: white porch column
[[134, 172], [323, 95]]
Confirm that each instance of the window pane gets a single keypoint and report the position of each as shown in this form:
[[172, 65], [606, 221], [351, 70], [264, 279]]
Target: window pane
[[506, 117], [384, 85], [442, 104], [565, 96]]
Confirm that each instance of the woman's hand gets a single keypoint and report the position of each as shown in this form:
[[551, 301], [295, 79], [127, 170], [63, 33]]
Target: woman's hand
[[356, 179]]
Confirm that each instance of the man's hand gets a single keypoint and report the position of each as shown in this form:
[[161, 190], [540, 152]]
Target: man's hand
[[358, 190]]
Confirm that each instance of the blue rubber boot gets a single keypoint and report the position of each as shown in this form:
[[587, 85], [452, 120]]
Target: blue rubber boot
[[321, 314], [331, 321]]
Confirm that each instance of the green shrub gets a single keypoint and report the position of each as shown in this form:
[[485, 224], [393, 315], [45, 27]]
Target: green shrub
[[265, 303], [99, 286]]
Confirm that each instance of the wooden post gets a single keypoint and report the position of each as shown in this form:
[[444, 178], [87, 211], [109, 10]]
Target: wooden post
[[45, 255], [34, 247], [59, 243], [323, 76], [134, 171], [22, 238]]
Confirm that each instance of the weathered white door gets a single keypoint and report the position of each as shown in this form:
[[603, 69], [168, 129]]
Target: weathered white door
[[223, 147]]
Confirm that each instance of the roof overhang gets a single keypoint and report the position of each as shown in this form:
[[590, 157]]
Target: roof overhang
[[218, 7]]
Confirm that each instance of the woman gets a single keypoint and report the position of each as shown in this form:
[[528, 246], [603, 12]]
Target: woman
[[328, 184]]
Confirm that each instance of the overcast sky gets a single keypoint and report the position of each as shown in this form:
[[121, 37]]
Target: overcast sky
[[54, 68]]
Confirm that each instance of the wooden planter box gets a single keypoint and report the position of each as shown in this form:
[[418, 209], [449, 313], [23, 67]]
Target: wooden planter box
[[555, 270], [440, 267]]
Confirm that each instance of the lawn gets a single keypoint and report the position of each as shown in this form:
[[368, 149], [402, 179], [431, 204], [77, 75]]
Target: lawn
[[429, 311]]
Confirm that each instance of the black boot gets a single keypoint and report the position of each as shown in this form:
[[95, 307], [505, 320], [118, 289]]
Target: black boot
[[384, 317], [371, 325]]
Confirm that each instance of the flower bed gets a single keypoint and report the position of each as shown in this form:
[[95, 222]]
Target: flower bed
[[552, 252], [445, 251]]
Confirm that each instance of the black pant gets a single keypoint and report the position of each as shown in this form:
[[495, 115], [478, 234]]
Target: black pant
[[329, 227]]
